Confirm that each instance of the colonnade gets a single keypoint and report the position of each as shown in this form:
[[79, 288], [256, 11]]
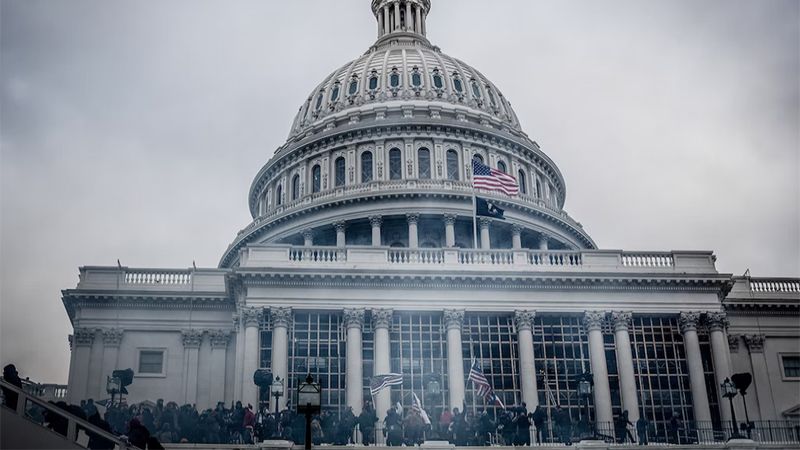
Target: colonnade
[[389, 18], [594, 322]]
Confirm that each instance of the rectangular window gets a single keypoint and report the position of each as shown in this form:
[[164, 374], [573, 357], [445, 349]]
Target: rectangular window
[[791, 366], [151, 362]]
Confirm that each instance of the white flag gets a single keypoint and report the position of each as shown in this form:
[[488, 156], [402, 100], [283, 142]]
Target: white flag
[[417, 406]]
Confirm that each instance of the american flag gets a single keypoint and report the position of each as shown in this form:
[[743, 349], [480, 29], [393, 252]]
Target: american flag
[[379, 382], [484, 177], [482, 386]]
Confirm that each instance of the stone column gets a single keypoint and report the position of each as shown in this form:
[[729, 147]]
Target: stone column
[[627, 378], [376, 222], [281, 318], [755, 345], [717, 323], [694, 362], [386, 22], [340, 237], [523, 321], [308, 237], [418, 19], [409, 17], [238, 363], [250, 319], [396, 15], [354, 376], [449, 230], [593, 321], [516, 237], [413, 238], [112, 337], [453, 321], [219, 346], [543, 241], [483, 223], [83, 338], [381, 321], [192, 339]]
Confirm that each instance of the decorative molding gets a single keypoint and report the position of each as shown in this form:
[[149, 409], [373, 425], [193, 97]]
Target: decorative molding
[[523, 319], [340, 226], [449, 219], [354, 318], [516, 229], [112, 337], [621, 320], [717, 320], [219, 338], [375, 221], [308, 234], [412, 218], [382, 318], [192, 338], [733, 342], [250, 316], [84, 337], [484, 222], [453, 318], [593, 320], [755, 342], [688, 320], [281, 316]]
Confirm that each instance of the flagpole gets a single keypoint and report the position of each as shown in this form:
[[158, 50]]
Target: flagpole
[[474, 220]]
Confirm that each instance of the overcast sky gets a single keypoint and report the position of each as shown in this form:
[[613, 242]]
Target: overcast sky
[[133, 129]]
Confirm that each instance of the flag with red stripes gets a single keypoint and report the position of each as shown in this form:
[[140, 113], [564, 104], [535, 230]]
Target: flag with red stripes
[[484, 177]]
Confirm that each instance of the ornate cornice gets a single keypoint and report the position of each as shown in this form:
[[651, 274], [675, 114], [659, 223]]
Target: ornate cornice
[[192, 338], [84, 337], [219, 338], [593, 320], [250, 316], [717, 320], [621, 320], [733, 342], [375, 221], [354, 318], [523, 319], [112, 337], [688, 320], [382, 318], [281, 316], [755, 342], [453, 318]]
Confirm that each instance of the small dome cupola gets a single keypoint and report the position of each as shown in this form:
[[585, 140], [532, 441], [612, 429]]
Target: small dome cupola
[[400, 17]]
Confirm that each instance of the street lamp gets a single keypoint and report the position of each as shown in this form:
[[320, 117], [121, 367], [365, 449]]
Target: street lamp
[[585, 383], [309, 402], [434, 390], [729, 390], [113, 386], [742, 382], [276, 390]]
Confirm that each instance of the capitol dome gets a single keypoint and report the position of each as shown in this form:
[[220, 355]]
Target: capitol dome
[[387, 139]]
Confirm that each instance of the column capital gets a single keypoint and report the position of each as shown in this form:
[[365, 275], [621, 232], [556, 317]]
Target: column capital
[[192, 338], [219, 338], [308, 233], [453, 318], [516, 229], [449, 219], [593, 320], [544, 236], [340, 225], [755, 342], [112, 337], [733, 342], [250, 316], [354, 318], [688, 320], [484, 222], [84, 337], [382, 318], [412, 218], [523, 319], [717, 320], [375, 221], [621, 320], [281, 316]]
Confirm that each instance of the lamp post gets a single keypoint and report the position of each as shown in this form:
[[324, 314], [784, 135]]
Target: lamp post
[[309, 402], [434, 390], [113, 385], [742, 382], [585, 382], [276, 390], [729, 391]]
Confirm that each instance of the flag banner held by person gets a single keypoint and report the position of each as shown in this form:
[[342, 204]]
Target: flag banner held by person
[[484, 177], [417, 407], [379, 382], [481, 385]]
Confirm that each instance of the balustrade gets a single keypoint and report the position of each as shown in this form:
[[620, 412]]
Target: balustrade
[[485, 257], [317, 254], [420, 256], [554, 258], [775, 285], [171, 277], [647, 260]]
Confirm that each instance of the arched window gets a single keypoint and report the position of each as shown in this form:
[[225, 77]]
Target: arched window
[[373, 80], [501, 166], [279, 195], [478, 157], [395, 164], [476, 90], [394, 78], [352, 89], [295, 187], [457, 84], [339, 170], [538, 189], [438, 81], [316, 178], [416, 77], [366, 167], [452, 165], [491, 96], [320, 97], [523, 184], [424, 163], [335, 92]]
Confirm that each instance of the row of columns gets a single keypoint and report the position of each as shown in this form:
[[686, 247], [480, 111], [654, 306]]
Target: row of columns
[[594, 322], [412, 219], [389, 18]]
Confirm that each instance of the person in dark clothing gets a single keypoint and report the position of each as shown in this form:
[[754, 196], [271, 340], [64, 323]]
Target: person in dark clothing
[[11, 377], [485, 428], [366, 423], [673, 429], [523, 429], [393, 428], [564, 422], [621, 428], [539, 417], [97, 442], [138, 434], [641, 429]]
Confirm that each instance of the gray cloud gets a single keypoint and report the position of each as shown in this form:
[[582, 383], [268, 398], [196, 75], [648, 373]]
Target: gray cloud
[[132, 130]]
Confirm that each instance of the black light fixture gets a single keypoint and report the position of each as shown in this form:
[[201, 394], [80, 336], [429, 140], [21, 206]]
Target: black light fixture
[[276, 390], [309, 402], [729, 390]]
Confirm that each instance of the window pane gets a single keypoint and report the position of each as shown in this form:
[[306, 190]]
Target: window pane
[[395, 164], [373, 83], [340, 171], [366, 167], [791, 366], [452, 165], [457, 85], [151, 361], [315, 179], [424, 161], [295, 187]]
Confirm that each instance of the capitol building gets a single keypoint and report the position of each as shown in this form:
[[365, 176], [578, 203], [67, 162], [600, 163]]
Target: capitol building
[[364, 257]]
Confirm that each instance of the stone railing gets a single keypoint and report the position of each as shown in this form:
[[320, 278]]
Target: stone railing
[[775, 285], [140, 276], [415, 256], [122, 278], [647, 260], [485, 257], [317, 254]]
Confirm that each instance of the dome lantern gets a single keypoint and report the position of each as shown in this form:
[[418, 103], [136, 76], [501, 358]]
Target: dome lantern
[[401, 17]]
